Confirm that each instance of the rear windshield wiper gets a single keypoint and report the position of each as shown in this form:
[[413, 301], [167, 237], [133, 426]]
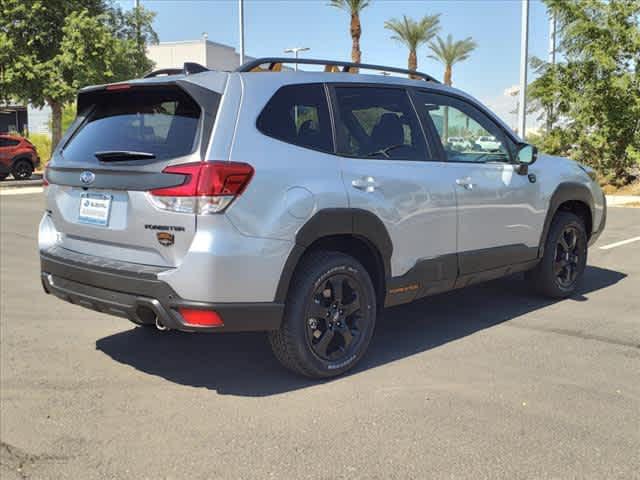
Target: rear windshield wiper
[[123, 155]]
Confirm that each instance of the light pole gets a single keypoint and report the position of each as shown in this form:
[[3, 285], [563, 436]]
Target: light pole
[[296, 50], [524, 53], [241, 21]]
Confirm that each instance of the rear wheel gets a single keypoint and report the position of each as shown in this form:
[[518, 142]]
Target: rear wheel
[[329, 318], [22, 169], [565, 257]]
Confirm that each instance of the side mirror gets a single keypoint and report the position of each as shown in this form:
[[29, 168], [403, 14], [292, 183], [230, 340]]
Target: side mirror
[[527, 154]]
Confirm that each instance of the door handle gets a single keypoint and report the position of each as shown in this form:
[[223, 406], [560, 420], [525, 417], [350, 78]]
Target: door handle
[[366, 184], [465, 183]]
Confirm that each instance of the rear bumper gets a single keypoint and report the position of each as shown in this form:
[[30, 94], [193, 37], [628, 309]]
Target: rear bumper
[[134, 292]]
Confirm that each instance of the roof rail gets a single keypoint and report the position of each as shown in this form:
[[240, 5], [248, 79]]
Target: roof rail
[[330, 66], [187, 69]]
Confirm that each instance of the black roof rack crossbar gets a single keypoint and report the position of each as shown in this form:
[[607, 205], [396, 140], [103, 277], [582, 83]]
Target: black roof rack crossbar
[[187, 69], [346, 66]]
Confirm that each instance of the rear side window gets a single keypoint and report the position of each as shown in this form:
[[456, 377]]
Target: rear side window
[[377, 122], [8, 142], [298, 114], [163, 122]]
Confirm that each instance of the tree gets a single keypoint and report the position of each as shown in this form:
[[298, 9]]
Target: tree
[[449, 53], [593, 93], [354, 8], [57, 47], [413, 34], [135, 25]]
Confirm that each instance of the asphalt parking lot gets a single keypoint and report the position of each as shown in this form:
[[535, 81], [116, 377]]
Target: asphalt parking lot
[[488, 382]]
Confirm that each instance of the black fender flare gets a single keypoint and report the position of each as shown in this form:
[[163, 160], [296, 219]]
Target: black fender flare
[[565, 192], [17, 158], [336, 221]]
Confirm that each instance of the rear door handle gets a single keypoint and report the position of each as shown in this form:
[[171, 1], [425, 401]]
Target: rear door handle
[[366, 184], [465, 183]]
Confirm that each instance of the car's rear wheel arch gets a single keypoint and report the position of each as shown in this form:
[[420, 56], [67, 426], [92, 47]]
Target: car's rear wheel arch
[[354, 232], [19, 158]]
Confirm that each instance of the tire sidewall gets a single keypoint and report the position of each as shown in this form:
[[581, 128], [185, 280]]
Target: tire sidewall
[[295, 313], [15, 167], [560, 223]]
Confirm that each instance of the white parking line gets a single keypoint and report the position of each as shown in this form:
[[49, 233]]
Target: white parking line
[[618, 244], [20, 190]]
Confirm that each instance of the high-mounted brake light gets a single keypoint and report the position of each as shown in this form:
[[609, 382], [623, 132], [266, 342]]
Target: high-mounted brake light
[[119, 86], [208, 187]]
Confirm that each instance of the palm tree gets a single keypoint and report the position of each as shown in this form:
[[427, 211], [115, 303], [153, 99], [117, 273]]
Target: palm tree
[[413, 34], [449, 53], [353, 7]]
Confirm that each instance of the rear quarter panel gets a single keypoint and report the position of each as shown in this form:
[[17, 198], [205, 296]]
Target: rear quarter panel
[[290, 183]]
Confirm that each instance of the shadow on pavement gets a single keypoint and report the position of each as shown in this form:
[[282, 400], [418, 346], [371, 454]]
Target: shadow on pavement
[[242, 363]]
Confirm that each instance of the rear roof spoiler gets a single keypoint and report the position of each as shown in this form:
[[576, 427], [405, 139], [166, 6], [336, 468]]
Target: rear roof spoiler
[[188, 68]]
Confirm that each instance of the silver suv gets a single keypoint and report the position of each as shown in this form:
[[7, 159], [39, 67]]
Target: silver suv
[[300, 203]]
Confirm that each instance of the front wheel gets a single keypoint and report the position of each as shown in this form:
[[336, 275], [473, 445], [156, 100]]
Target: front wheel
[[565, 258], [329, 318]]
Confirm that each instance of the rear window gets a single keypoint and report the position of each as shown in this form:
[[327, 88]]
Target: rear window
[[160, 122]]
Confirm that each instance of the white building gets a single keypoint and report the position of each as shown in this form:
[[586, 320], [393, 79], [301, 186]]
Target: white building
[[212, 55]]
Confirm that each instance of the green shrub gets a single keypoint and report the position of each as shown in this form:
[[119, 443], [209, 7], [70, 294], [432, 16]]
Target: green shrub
[[42, 142]]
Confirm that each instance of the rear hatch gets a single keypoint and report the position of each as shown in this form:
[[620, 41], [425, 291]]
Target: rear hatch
[[116, 153]]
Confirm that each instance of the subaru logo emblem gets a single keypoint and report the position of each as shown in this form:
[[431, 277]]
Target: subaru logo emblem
[[87, 177]]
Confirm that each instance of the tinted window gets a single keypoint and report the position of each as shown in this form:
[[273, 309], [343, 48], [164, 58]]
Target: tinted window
[[298, 114], [8, 142], [378, 123], [162, 122], [466, 134]]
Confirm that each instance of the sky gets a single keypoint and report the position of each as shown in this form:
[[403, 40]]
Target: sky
[[273, 25]]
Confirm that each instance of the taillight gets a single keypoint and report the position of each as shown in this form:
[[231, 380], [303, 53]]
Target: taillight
[[45, 182], [208, 187]]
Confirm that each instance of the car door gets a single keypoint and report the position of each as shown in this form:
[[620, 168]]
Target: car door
[[499, 217], [389, 170]]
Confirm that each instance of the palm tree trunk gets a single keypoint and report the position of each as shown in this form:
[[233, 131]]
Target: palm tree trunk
[[445, 127], [447, 75], [356, 31], [412, 63]]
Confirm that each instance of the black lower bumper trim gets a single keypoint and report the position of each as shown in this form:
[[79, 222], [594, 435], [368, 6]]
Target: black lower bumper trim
[[142, 300]]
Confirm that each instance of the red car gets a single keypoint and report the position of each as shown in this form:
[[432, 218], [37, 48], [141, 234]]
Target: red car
[[18, 157]]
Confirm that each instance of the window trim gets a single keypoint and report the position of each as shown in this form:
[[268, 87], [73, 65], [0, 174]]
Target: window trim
[[467, 106], [333, 101], [332, 136]]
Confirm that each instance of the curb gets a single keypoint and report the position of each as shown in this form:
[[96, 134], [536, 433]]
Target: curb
[[621, 200], [34, 181]]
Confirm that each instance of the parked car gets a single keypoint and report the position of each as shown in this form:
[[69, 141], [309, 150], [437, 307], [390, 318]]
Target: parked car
[[299, 203], [459, 143], [18, 157], [488, 143]]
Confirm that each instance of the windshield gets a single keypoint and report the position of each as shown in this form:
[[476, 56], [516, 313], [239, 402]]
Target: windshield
[[161, 122]]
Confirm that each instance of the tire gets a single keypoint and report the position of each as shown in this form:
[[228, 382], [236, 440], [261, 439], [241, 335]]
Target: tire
[[329, 317], [22, 169], [565, 257]]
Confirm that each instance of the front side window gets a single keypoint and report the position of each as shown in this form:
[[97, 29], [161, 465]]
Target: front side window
[[378, 123], [298, 114], [160, 122], [465, 133]]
